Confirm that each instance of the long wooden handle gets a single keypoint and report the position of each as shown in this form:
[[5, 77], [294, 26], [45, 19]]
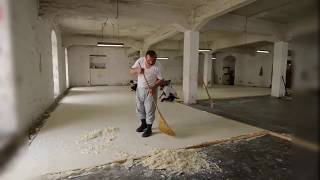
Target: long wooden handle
[[207, 92]]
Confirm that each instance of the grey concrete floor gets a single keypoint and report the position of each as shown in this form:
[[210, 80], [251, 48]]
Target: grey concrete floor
[[262, 111], [265, 157], [282, 115]]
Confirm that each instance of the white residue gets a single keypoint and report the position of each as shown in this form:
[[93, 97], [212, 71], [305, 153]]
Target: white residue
[[96, 141]]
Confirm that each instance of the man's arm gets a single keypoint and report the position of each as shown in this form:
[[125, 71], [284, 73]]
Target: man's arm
[[155, 86], [136, 71], [158, 83]]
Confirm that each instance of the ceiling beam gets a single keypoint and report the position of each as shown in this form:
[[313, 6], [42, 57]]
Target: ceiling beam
[[211, 9], [197, 18], [165, 33], [240, 40], [237, 23]]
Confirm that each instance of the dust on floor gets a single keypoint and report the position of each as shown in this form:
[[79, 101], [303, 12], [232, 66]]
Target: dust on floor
[[98, 140], [254, 158]]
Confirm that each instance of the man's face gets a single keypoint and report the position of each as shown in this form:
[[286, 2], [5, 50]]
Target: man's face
[[151, 60]]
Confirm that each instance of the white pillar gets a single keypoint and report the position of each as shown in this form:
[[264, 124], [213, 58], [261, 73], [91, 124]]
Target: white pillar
[[279, 68], [9, 115], [207, 68], [142, 53], [190, 66], [67, 67]]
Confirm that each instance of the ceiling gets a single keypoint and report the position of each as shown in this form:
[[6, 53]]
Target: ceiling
[[139, 19], [279, 11], [136, 18]]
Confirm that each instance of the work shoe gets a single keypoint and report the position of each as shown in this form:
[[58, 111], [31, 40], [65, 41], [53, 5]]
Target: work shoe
[[142, 126], [148, 131]]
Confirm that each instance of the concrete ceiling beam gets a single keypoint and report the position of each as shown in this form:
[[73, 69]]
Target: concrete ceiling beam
[[211, 9], [165, 32], [241, 40]]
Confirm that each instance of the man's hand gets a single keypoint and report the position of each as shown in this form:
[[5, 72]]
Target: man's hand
[[152, 90], [140, 70]]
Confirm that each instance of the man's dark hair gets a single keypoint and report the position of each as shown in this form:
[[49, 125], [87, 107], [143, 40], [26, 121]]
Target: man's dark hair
[[151, 53]]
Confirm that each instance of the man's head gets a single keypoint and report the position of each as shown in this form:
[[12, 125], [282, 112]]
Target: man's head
[[151, 57]]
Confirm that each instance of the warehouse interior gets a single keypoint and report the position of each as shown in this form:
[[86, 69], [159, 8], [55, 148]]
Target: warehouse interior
[[246, 74]]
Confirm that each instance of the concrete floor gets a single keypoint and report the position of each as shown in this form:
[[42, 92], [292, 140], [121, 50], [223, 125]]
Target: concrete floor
[[88, 108], [226, 91], [282, 115], [267, 112], [258, 158]]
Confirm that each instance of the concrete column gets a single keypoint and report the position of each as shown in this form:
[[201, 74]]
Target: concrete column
[[190, 66], [9, 116], [142, 53], [279, 68], [207, 69], [143, 50]]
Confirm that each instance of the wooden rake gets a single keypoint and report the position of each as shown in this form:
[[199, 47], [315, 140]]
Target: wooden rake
[[210, 99]]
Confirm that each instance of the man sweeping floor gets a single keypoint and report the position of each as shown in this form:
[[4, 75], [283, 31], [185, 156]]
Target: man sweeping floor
[[145, 96]]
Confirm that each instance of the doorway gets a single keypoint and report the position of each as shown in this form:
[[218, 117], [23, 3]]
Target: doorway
[[98, 70], [228, 70]]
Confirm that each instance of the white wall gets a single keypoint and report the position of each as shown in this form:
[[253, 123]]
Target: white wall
[[31, 39], [303, 38], [247, 68], [305, 58], [172, 67], [117, 65]]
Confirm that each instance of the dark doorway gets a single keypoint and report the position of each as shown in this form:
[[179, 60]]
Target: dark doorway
[[289, 74], [228, 70]]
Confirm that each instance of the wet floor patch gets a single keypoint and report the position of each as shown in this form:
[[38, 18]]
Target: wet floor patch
[[262, 111]]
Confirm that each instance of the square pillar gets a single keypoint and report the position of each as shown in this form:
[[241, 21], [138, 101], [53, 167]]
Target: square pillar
[[280, 58], [207, 69], [9, 116], [142, 52], [190, 66]]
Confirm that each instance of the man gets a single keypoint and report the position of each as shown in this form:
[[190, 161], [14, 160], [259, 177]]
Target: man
[[168, 93], [134, 85], [145, 96]]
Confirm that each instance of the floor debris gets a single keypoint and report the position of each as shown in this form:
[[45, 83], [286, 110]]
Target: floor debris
[[96, 141], [181, 161], [265, 156]]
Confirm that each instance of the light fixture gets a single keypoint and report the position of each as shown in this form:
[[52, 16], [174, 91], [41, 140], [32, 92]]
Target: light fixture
[[162, 58], [263, 51], [204, 50], [108, 44], [97, 55], [213, 58]]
